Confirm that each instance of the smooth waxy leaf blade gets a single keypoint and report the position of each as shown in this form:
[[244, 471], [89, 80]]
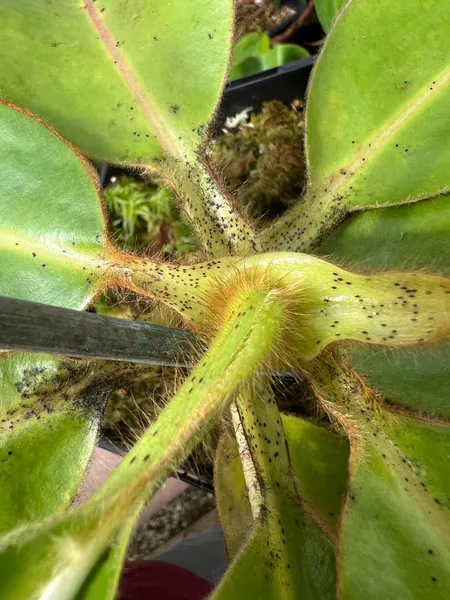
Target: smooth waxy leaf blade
[[143, 94]]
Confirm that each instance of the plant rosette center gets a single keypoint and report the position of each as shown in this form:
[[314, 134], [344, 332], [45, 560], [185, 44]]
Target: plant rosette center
[[325, 303]]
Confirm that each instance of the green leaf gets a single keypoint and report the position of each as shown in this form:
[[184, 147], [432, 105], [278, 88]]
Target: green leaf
[[254, 574], [145, 99], [426, 447], [396, 518], [50, 413], [42, 466], [417, 379], [374, 140], [320, 460], [52, 228], [54, 556], [411, 237], [277, 56], [390, 526], [388, 133], [251, 44], [44, 451], [125, 82], [233, 506], [103, 582], [327, 11]]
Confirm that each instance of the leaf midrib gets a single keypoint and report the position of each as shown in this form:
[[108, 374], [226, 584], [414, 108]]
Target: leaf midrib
[[17, 241], [132, 82], [375, 145]]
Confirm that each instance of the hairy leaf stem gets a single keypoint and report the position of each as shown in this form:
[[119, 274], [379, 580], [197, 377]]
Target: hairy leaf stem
[[328, 304], [221, 227]]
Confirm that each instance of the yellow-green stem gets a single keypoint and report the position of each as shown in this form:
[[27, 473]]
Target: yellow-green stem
[[390, 309], [306, 224], [219, 224]]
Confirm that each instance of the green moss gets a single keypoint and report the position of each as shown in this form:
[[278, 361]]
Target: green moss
[[263, 161], [144, 216]]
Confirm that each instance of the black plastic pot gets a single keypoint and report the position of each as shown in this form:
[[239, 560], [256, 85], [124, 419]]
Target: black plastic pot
[[285, 83]]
